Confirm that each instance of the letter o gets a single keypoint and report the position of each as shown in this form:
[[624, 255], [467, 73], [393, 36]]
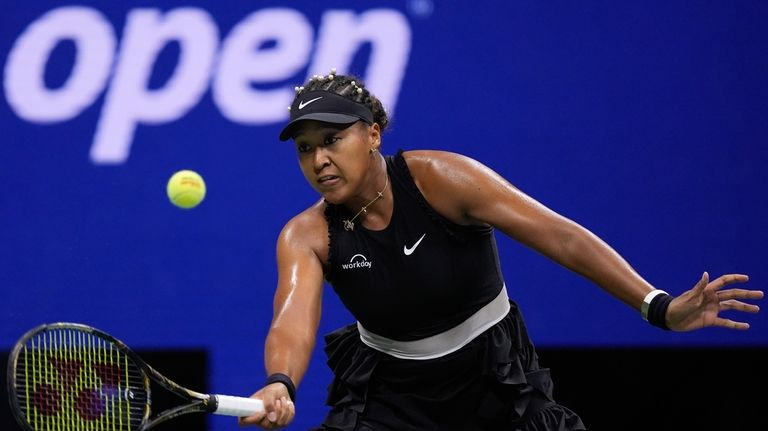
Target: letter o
[[24, 83]]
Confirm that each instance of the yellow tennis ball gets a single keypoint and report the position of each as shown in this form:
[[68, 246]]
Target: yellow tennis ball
[[186, 189]]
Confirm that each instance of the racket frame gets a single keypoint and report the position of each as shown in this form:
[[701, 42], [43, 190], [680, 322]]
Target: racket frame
[[199, 402]]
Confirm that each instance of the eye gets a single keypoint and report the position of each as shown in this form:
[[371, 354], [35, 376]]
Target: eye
[[330, 140], [303, 148]]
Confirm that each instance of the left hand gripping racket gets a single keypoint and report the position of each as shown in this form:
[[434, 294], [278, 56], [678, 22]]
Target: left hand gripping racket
[[69, 376]]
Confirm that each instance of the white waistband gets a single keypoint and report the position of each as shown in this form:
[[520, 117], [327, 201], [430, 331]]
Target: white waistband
[[443, 343]]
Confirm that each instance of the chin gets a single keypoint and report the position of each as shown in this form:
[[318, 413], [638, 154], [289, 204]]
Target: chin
[[337, 195], [332, 198]]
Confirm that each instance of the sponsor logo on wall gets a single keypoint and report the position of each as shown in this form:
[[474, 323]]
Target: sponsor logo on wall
[[242, 69]]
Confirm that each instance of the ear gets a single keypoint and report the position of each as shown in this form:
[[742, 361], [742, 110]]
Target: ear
[[374, 135]]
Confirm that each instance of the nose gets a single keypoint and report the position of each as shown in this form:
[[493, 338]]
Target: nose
[[320, 159]]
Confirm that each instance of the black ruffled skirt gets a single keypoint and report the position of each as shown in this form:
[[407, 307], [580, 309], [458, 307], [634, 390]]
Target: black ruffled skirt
[[492, 384]]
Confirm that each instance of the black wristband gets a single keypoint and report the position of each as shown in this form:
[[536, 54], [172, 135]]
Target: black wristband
[[657, 311], [282, 378]]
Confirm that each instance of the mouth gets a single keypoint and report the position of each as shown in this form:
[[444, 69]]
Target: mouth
[[327, 180]]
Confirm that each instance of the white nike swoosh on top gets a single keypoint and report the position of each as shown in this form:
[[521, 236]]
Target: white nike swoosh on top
[[409, 251], [303, 104]]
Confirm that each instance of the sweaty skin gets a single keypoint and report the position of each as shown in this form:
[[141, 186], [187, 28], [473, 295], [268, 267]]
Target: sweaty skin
[[344, 166]]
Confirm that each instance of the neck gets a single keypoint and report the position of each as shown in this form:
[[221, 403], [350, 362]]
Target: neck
[[365, 208], [376, 181]]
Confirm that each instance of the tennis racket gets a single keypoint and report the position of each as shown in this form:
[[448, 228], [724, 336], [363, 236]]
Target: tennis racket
[[70, 376]]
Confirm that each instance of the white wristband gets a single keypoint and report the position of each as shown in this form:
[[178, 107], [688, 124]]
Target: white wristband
[[647, 302]]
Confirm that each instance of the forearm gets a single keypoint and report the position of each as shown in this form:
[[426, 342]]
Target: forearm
[[586, 254], [288, 352]]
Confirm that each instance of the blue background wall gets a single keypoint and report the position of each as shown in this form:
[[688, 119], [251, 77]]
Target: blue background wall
[[646, 122]]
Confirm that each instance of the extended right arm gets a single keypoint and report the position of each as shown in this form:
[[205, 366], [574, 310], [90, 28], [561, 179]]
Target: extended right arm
[[297, 304], [301, 249]]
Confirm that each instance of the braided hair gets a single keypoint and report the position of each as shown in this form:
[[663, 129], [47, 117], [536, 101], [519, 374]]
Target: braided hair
[[352, 88]]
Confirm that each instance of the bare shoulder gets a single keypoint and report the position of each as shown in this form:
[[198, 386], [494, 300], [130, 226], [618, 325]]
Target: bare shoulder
[[468, 192], [436, 168], [448, 181], [437, 160], [307, 231]]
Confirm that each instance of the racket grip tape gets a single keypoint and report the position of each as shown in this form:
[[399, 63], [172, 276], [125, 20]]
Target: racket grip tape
[[236, 406]]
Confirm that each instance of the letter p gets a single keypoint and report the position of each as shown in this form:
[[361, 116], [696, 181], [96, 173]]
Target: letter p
[[129, 101]]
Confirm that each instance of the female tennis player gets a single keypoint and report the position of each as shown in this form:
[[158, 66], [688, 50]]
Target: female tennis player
[[407, 242]]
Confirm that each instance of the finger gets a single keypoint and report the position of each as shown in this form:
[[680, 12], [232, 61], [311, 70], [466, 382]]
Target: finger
[[698, 289], [284, 412], [266, 424], [727, 279], [290, 411], [739, 306], [250, 420], [280, 413], [272, 415], [739, 294], [731, 324]]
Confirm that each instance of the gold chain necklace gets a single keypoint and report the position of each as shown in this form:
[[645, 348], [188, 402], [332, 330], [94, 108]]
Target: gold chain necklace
[[349, 223]]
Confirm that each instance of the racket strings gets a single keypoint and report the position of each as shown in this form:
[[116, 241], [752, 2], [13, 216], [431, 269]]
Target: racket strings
[[67, 379]]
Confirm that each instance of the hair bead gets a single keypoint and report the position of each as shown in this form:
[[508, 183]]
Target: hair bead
[[344, 85]]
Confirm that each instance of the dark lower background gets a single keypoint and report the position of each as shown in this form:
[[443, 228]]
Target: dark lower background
[[610, 388], [662, 388]]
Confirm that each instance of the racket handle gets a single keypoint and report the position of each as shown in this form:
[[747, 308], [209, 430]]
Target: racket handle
[[237, 406]]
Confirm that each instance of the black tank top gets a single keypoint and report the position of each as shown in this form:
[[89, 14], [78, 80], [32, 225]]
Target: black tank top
[[419, 276]]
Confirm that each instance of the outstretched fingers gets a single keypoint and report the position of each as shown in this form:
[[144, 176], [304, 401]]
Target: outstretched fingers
[[728, 294], [731, 324], [700, 307], [739, 306], [725, 280]]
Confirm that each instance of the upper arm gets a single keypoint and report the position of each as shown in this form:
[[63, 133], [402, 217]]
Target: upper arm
[[467, 192], [301, 248]]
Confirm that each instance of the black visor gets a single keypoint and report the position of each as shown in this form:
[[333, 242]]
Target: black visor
[[326, 107]]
